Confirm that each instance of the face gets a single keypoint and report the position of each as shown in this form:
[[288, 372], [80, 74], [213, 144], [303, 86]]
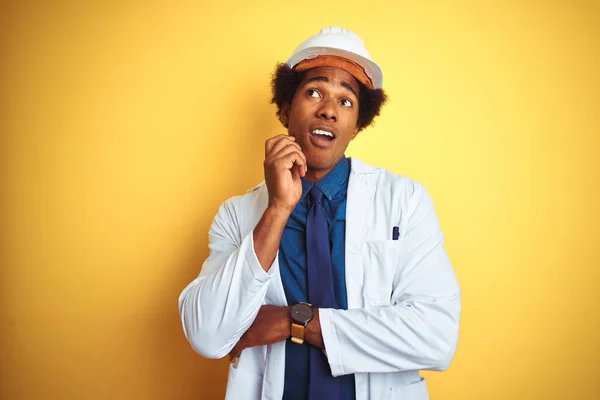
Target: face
[[323, 116]]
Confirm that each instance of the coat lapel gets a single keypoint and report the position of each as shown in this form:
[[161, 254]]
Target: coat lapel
[[358, 211]]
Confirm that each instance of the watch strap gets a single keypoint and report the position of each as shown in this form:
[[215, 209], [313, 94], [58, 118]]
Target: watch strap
[[297, 333]]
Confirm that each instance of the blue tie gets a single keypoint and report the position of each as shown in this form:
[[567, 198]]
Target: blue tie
[[322, 385]]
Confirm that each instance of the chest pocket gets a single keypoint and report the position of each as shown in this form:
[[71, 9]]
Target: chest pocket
[[380, 261]]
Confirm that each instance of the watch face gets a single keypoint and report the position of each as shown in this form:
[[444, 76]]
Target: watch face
[[302, 313]]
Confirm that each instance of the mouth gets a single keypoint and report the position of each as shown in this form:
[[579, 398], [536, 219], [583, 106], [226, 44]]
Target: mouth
[[322, 137]]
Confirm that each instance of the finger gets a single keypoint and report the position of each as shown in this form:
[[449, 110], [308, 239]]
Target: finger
[[280, 145], [302, 168], [292, 147], [272, 141], [269, 143], [292, 158], [300, 171], [295, 172], [285, 150]]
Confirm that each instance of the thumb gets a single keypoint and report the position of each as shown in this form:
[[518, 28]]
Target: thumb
[[295, 173]]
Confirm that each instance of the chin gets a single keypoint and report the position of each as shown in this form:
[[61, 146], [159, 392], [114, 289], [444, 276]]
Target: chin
[[319, 163]]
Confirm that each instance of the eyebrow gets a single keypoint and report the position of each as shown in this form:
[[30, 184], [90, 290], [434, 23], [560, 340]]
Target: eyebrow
[[325, 79]]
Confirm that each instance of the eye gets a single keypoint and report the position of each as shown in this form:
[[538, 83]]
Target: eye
[[313, 93], [346, 103]]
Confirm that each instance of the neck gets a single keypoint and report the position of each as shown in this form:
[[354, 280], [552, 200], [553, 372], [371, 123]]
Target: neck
[[315, 175]]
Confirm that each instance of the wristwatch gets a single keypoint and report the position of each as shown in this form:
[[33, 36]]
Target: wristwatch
[[302, 314]]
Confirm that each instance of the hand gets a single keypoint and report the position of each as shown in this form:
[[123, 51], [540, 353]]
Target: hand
[[284, 164], [271, 325]]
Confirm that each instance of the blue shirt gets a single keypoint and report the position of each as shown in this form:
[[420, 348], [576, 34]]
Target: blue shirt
[[292, 266]]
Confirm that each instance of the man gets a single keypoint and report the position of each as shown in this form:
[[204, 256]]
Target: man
[[329, 280]]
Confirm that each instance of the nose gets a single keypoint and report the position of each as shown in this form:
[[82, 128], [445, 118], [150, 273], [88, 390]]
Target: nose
[[327, 110]]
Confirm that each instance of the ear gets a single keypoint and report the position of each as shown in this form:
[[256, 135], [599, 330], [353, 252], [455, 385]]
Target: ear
[[284, 113]]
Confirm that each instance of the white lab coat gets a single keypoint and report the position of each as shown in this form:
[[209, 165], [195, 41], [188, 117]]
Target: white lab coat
[[403, 296]]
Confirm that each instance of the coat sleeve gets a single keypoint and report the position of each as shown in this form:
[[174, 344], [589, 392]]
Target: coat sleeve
[[220, 305], [419, 329]]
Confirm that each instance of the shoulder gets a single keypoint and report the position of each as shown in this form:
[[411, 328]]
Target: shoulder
[[384, 180], [254, 197], [400, 194]]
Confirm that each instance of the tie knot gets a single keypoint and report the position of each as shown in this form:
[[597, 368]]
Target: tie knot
[[315, 195]]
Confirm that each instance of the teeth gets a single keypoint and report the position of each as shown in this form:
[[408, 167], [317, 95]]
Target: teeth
[[321, 132]]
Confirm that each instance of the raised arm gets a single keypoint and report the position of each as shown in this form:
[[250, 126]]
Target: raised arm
[[220, 305]]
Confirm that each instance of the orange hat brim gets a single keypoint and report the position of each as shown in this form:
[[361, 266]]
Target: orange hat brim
[[337, 62]]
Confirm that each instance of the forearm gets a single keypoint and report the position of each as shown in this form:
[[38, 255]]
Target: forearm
[[416, 335], [218, 306], [267, 235]]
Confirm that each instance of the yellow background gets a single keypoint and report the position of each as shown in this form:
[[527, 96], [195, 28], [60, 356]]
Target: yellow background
[[125, 124]]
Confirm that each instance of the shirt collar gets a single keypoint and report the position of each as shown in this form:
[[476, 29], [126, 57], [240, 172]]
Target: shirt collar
[[331, 183]]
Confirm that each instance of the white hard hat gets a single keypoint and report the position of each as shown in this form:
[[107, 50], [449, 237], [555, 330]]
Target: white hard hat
[[338, 42]]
